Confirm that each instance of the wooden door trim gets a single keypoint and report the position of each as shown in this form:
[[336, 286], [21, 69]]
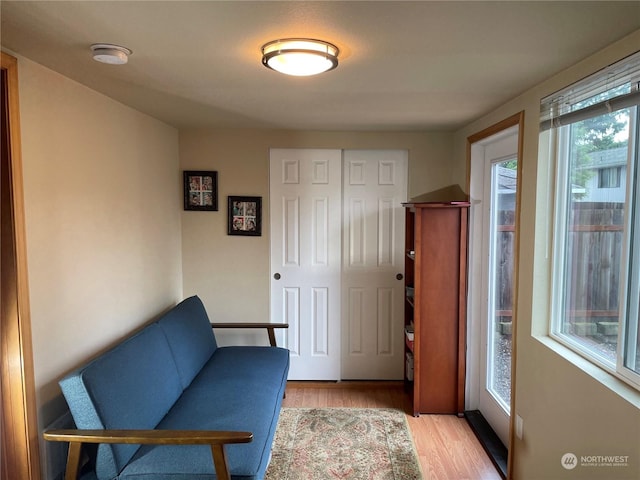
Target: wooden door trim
[[20, 445]]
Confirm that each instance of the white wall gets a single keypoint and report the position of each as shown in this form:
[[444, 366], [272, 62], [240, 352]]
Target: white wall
[[567, 405], [102, 212]]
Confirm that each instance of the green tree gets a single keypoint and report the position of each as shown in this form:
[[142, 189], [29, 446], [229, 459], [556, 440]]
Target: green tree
[[595, 134], [511, 164], [599, 133]]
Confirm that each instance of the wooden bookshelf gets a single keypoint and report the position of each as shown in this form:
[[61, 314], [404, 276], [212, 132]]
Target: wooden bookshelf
[[436, 269]]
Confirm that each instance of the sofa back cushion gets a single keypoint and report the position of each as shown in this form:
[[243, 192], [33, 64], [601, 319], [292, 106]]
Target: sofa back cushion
[[132, 386], [190, 337]]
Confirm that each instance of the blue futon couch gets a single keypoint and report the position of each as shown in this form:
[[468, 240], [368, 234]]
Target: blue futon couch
[[168, 403]]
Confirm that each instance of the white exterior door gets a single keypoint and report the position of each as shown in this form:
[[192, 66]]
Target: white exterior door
[[305, 216], [374, 187], [492, 227]]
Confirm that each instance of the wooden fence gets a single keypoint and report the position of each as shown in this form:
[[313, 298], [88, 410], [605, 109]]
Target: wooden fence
[[505, 255], [595, 245]]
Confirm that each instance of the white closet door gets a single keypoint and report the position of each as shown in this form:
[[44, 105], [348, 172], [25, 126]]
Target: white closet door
[[305, 216], [374, 187]]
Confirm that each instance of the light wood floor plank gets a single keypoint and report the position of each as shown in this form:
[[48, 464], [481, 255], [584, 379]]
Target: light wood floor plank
[[447, 448]]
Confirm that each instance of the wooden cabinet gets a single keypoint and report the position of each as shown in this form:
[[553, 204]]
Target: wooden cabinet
[[435, 305]]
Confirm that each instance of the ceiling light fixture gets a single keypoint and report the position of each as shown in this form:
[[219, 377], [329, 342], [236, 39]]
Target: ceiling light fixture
[[300, 56], [111, 54]]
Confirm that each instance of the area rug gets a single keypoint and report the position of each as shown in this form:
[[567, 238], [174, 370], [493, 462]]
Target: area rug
[[344, 444]]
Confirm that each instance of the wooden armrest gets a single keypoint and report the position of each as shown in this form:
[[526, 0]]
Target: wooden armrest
[[152, 437], [269, 326], [249, 325], [216, 439]]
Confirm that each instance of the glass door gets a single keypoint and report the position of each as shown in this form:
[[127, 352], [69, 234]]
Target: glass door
[[493, 190], [499, 278]]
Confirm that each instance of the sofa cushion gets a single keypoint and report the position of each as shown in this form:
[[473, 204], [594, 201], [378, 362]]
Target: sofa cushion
[[132, 386], [240, 388], [190, 336]]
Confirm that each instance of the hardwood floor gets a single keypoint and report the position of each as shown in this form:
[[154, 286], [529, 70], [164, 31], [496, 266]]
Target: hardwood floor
[[446, 446]]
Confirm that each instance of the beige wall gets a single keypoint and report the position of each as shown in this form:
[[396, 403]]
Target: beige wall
[[567, 405], [231, 273], [102, 210]]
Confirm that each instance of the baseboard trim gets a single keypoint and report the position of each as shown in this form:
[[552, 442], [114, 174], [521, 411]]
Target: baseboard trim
[[345, 384]]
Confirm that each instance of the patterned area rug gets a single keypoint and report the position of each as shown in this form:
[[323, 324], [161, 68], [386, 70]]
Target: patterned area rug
[[343, 443]]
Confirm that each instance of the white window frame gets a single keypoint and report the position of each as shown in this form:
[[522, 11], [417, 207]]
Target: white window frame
[[628, 335], [629, 286]]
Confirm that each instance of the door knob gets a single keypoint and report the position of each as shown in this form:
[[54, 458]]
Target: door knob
[[276, 276], [399, 276]]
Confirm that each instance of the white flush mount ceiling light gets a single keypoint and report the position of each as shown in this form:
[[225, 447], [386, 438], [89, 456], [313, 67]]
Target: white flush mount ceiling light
[[111, 54], [300, 56]]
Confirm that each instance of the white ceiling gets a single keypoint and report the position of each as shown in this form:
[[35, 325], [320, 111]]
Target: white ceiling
[[418, 65]]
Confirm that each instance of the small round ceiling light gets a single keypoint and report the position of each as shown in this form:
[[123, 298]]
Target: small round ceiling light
[[300, 56], [111, 54]]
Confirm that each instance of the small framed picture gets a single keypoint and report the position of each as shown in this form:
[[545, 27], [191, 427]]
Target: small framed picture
[[245, 216], [200, 190]]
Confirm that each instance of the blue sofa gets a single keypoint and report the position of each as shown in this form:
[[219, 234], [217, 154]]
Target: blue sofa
[[168, 403]]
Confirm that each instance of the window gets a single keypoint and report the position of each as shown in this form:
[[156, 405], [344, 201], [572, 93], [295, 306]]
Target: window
[[592, 129], [609, 177]]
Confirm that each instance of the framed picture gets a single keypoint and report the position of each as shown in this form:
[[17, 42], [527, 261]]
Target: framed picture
[[200, 190], [245, 216]]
